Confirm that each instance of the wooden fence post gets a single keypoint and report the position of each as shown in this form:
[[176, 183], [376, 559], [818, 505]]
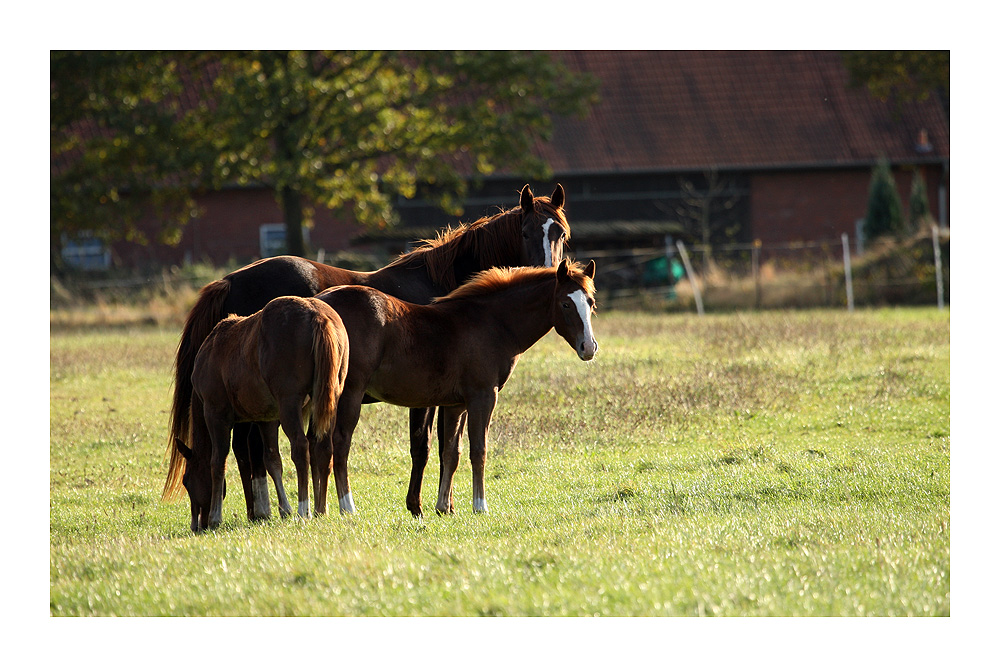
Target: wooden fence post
[[847, 273], [691, 277], [937, 267], [755, 268]]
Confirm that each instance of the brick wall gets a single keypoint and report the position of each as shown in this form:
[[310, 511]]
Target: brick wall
[[822, 204], [229, 229]]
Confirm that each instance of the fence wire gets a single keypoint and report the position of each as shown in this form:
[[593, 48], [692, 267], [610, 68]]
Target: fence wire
[[736, 276], [780, 275]]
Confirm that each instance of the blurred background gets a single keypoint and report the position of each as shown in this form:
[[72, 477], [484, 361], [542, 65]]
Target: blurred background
[[709, 179]]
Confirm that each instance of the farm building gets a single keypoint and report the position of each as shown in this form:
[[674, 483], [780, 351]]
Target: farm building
[[719, 146]]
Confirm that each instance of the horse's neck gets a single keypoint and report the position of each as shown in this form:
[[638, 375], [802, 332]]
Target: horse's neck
[[496, 242], [522, 315], [499, 244]]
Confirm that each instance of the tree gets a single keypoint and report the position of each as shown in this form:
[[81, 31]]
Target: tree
[[354, 129], [121, 145], [707, 211], [885, 210], [344, 130], [899, 77]]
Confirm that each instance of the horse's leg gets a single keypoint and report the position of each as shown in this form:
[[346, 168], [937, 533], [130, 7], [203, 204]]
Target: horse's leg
[[348, 413], [451, 421], [291, 424], [268, 433], [321, 459], [201, 443], [480, 409], [219, 432], [261, 501], [421, 422], [241, 450]]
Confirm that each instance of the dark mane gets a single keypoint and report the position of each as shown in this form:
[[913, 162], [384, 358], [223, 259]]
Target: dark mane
[[495, 279], [492, 240]]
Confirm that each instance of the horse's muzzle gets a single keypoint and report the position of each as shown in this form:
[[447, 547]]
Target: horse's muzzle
[[587, 349]]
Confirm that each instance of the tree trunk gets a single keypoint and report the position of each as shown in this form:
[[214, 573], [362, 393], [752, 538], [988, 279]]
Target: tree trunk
[[291, 207]]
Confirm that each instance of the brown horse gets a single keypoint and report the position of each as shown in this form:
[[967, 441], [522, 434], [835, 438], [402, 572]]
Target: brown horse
[[283, 363], [456, 353], [533, 234]]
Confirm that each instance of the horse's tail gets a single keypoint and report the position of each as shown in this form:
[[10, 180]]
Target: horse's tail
[[330, 369], [205, 314]]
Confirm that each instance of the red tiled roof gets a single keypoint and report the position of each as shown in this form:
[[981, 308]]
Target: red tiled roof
[[679, 110], [689, 110]]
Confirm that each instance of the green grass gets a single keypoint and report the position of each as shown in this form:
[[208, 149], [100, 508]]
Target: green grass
[[761, 464]]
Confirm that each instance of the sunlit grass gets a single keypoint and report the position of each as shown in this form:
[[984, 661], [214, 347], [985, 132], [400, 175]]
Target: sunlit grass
[[747, 464]]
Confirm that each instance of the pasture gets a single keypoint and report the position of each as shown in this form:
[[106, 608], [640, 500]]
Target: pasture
[[754, 464]]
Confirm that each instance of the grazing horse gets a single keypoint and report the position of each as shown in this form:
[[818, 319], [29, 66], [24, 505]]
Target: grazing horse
[[533, 234], [286, 362], [456, 352]]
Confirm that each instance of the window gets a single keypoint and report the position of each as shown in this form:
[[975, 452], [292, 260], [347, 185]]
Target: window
[[86, 253], [272, 239]]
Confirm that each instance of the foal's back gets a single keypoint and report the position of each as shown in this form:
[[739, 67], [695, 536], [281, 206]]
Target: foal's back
[[246, 362]]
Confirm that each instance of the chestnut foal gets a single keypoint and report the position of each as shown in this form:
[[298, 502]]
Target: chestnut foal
[[285, 363], [456, 352]]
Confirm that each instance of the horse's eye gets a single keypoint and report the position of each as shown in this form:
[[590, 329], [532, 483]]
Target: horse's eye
[[566, 305]]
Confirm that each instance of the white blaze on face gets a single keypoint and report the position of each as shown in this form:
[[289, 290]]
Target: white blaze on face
[[546, 244], [586, 346]]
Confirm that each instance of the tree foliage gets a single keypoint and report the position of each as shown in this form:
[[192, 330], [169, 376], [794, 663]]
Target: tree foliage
[[885, 211], [121, 145], [899, 77], [345, 130]]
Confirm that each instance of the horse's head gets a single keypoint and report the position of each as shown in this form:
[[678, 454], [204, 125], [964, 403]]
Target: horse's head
[[544, 229], [198, 483], [574, 305]]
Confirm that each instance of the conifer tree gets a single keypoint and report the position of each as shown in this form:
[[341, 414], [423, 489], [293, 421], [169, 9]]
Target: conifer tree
[[885, 210]]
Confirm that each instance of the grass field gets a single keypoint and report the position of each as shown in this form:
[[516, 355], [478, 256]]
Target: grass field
[[756, 464]]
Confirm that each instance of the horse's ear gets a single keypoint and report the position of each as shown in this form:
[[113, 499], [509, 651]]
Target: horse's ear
[[184, 450], [527, 200], [562, 273], [558, 197], [590, 270]]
